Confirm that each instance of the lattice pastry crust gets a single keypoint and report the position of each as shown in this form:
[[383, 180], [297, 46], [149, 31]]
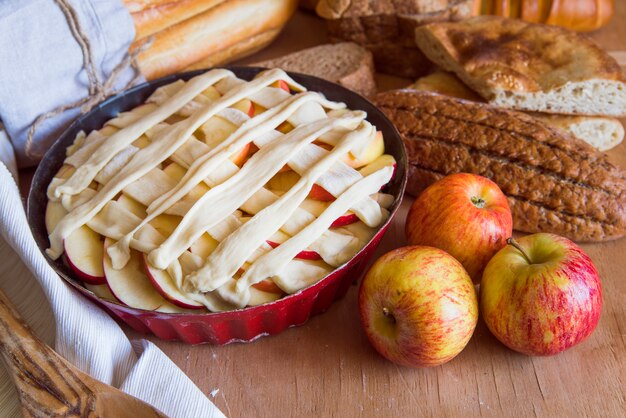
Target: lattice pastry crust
[[219, 193]]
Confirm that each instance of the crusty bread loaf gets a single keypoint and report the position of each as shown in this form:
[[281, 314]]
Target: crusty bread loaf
[[554, 183], [527, 66], [390, 37], [215, 31], [603, 133], [344, 63], [153, 19]]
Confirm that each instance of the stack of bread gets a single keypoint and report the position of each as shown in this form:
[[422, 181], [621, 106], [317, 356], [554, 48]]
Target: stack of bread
[[386, 28], [190, 34], [554, 181]]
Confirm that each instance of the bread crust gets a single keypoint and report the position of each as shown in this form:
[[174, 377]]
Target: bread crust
[[554, 182], [211, 32], [335, 9], [153, 19], [239, 50], [501, 58], [358, 77]]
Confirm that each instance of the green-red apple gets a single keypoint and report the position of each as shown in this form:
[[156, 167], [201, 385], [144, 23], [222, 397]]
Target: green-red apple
[[542, 295], [465, 215], [418, 306]]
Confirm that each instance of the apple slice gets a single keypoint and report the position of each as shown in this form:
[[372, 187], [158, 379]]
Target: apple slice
[[216, 130], [302, 255], [130, 284], [211, 93], [245, 106], [374, 149], [279, 237], [285, 180], [204, 246], [281, 84], [319, 193], [164, 285], [83, 252], [379, 163]]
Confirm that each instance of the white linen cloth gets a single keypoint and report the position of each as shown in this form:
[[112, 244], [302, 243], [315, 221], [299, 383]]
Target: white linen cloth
[[42, 69], [85, 335], [41, 63]]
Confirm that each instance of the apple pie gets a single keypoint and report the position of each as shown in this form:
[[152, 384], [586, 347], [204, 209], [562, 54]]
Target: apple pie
[[219, 193]]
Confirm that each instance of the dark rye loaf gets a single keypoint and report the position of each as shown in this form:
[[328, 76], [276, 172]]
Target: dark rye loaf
[[554, 182]]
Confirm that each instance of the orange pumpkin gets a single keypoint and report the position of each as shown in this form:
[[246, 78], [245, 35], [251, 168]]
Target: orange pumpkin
[[580, 15]]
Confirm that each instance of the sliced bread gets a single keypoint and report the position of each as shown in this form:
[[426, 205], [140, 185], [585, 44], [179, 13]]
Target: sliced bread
[[344, 63], [527, 66], [603, 133]]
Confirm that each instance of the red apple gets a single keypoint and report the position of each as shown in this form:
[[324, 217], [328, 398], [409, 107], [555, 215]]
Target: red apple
[[465, 215], [542, 295], [418, 306]]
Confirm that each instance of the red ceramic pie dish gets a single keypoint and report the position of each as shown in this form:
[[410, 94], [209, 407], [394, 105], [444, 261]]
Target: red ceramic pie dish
[[239, 325]]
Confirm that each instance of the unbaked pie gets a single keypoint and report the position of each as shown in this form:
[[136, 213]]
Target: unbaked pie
[[219, 193]]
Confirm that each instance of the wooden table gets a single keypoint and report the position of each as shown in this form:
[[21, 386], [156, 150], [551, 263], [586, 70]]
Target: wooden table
[[328, 368]]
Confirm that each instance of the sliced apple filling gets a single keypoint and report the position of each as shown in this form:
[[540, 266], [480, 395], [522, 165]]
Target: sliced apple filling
[[219, 193]]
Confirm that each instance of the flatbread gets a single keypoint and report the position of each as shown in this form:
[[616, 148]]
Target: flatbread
[[527, 66]]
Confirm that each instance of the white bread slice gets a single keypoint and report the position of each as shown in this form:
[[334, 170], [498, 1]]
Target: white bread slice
[[345, 63], [526, 66], [602, 133]]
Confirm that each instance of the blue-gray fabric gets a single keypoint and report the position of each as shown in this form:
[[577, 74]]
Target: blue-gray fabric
[[41, 64]]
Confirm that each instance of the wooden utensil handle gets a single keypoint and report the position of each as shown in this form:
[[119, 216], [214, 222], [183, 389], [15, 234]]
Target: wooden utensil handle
[[43, 379]]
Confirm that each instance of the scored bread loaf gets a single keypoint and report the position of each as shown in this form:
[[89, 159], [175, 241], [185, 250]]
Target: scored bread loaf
[[344, 63], [217, 31], [603, 133], [527, 66], [390, 36], [554, 183]]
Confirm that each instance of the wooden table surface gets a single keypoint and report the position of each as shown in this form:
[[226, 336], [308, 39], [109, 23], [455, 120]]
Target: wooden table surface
[[328, 368]]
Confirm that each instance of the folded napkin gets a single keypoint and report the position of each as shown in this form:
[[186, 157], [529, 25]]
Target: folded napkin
[[85, 335], [42, 68]]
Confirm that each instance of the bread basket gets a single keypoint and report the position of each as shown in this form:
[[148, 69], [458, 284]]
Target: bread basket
[[224, 327]]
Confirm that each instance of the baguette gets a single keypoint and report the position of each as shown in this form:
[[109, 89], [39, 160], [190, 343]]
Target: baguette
[[554, 183], [154, 19], [214, 31], [603, 133], [344, 63], [527, 66]]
